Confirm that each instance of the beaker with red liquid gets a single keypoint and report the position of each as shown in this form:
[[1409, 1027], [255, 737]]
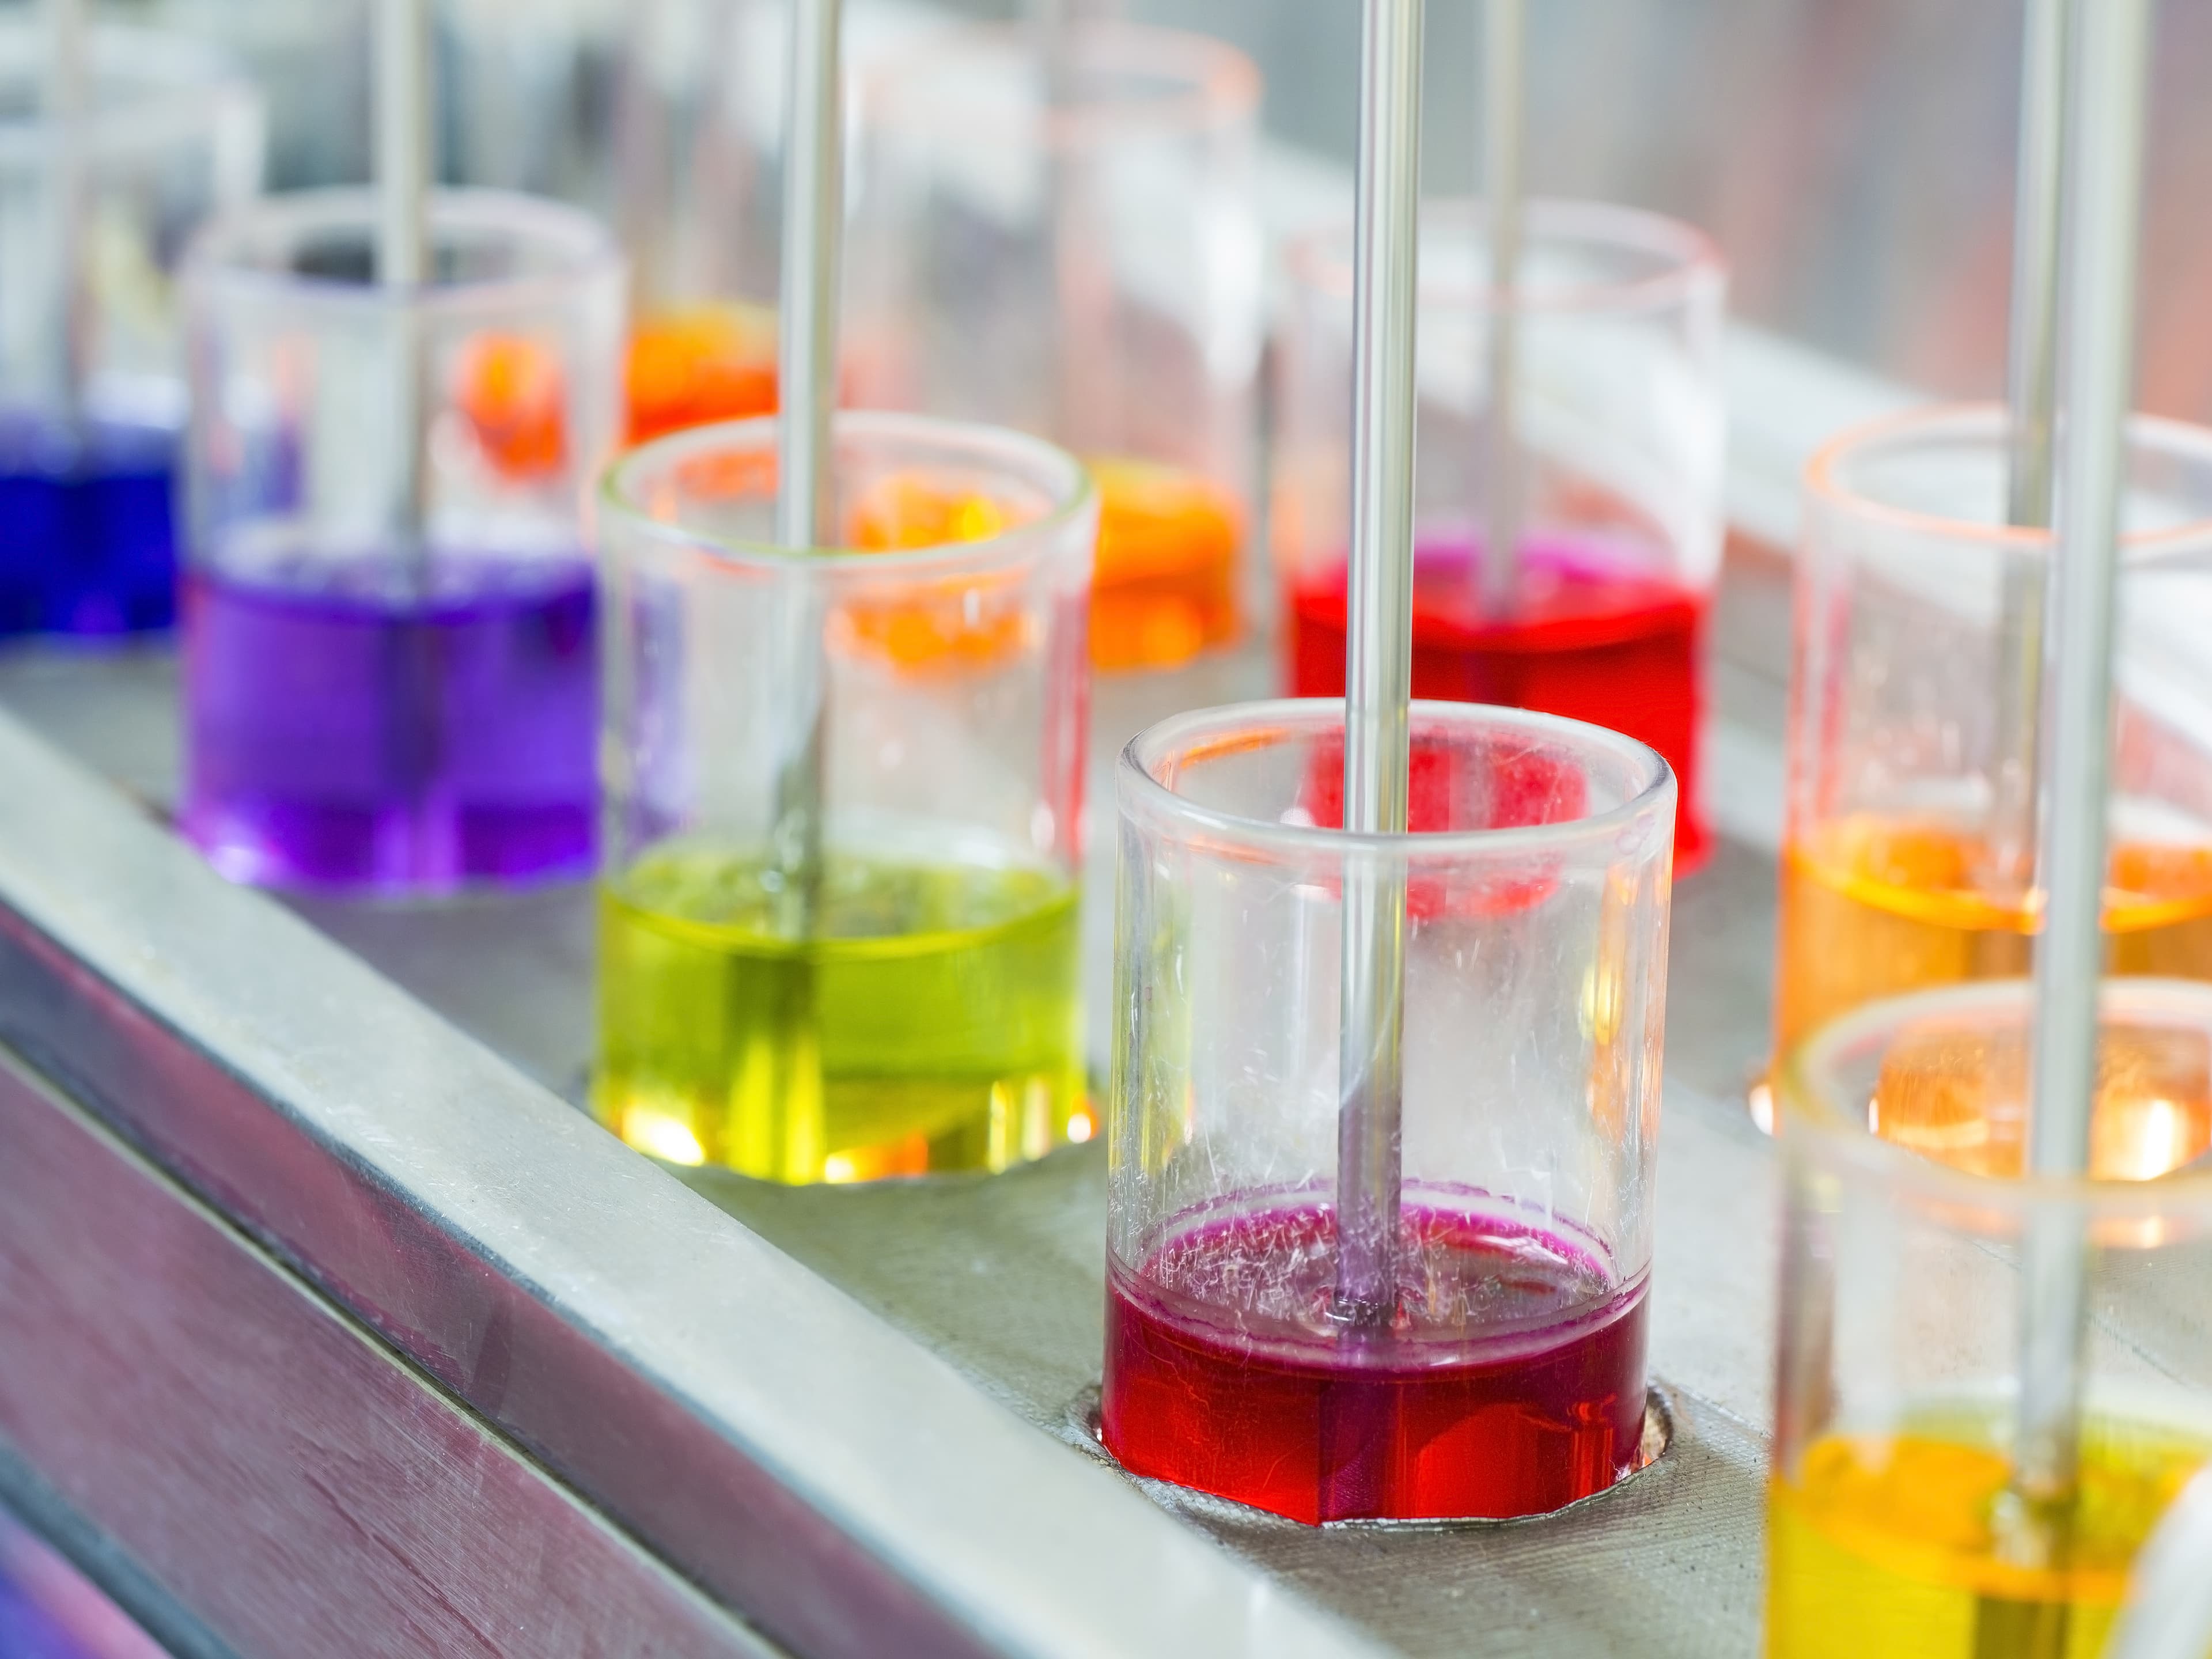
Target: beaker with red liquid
[[390, 682], [1610, 447], [1509, 1379]]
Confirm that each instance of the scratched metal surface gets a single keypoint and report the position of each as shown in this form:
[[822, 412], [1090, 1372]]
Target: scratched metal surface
[[366, 1481], [1004, 1278]]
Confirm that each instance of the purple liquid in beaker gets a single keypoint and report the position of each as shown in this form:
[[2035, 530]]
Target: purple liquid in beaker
[[342, 735], [86, 541]]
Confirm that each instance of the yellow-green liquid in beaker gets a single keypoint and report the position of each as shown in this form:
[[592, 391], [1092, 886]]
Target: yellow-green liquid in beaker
[[931, 1021], [1890, 1545]]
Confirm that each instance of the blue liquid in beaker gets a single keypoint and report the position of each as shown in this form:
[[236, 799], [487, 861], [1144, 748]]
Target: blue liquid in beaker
[[87, 544]]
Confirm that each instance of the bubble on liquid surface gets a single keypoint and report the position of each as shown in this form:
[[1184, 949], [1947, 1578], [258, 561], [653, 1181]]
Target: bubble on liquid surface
[[1272, 1275]]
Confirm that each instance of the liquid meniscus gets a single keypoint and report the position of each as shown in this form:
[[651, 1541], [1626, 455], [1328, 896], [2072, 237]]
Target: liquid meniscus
[[1876, 907]]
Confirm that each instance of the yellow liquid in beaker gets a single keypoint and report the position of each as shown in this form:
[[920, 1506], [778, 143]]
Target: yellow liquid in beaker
[[933, 1023], [1875, 908], [1889, 1547]]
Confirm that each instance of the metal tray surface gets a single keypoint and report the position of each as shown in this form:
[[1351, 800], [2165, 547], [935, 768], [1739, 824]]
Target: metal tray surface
[[1003, 1277]]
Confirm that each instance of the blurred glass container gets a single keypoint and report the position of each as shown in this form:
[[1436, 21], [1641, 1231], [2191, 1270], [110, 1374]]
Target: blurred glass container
[[1892, 1525], [95, 214], [698, 196], [1065, 239], [388, 638], [1908, 858], [1617, 449]]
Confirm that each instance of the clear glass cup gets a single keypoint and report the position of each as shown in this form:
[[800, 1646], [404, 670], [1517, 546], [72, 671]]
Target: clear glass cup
[[1615, 450], [903, 999], [1511, 1380], [389, 663], [93, 216], [1891, 1524], [1073, 248], [1909, 856]]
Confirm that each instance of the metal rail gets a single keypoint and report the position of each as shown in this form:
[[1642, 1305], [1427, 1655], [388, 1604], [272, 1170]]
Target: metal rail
[[570, 1305]]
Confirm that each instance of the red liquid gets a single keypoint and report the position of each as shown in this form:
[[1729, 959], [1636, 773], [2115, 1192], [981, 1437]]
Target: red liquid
[[1511, 1384], [1591, 639]]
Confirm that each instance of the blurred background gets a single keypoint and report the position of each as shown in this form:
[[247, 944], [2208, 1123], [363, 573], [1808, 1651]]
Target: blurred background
[[1853, 157]]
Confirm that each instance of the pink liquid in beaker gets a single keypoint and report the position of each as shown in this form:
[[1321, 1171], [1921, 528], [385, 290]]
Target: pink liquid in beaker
[[1511, 1383]]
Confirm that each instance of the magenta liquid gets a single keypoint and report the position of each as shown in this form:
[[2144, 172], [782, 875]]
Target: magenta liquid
[[1511, 1384], [341, 736]]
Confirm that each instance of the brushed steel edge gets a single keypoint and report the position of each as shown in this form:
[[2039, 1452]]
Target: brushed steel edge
[[352, 1444], [774, 1441]]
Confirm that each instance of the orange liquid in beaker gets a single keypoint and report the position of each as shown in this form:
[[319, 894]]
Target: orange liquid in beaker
[[1875, 908], [959, 624], [1957, 1092], [511, 390], [1164, 586], [698, 364]]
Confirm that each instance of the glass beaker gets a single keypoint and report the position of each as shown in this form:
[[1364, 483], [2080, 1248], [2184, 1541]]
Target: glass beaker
[[698, 137], [1891, 1525], [698, 155], [902, 997], [1068, 242], [389, 678], [1616, 459], [1537, 883], [95, 212], [1908, 860]]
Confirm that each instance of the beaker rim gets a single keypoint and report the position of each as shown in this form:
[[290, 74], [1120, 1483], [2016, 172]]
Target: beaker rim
[[1815, 1116], [2150, 433], [1321, 259], [583, 251], [1253, 724], [1222, 84], [1074, 491]]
